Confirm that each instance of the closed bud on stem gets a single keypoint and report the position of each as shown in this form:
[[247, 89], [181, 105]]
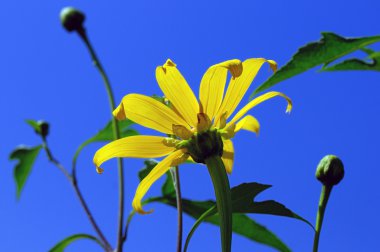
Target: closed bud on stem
[[72, 19], [330, 170], [43, 128]]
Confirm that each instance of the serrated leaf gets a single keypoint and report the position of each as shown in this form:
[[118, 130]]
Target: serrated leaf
[[106, 134], [61, 246], [26, 157], [330, 48], [241, 223], [357, 64], [243, 202]]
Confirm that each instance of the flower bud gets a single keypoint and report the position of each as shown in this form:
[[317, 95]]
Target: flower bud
[[43, 128], [330, 170], [72, 19]]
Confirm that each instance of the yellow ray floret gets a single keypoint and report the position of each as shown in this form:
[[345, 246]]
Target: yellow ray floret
[[195, 130]]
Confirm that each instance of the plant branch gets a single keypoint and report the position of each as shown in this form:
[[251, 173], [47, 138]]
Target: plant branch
[[116, 133], [73, 181], [177, 185], [325, 194]]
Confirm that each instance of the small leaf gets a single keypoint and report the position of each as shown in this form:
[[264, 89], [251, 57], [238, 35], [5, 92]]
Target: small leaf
[[61, 246], [40, 127], [106, 134], [331, 47], [26, 157]]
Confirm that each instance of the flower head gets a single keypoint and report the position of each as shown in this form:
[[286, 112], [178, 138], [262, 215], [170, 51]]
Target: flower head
[[197, 130]]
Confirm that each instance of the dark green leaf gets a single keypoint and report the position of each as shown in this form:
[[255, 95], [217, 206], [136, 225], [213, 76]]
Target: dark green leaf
[[243, 202], [372, 63], [61, 246], [149, 165], [331, 47], [26, 157], [106, 134], [241, 223], [243, 197]]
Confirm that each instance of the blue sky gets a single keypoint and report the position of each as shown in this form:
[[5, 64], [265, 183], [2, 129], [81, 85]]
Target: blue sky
[[47, 74]]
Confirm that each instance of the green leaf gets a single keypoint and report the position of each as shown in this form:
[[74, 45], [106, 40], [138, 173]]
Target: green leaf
[[241, 223], [106, 134], [61, 246], [243, 197], [331, 47], [372, 63], [26, 157], [242, 202]]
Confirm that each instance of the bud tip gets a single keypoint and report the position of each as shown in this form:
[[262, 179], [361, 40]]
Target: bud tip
[[330, 170], [72, 19]]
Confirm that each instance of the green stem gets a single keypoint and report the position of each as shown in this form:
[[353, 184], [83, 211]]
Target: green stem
[[223, 199], [74, 182], [325, 194], [175, 174], [116, 133]]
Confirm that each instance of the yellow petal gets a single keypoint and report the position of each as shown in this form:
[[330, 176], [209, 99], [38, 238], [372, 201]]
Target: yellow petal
[[239, 86], [133, 146], [213, 82], [259, 100], [119, 112], [248, 123], [176, 89], [150, 113], [228, 155], [160, 169]]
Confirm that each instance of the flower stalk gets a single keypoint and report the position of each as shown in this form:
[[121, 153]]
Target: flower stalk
[[325, 194], [72, 20], [177, 185], [223, 199], [74, 182], [116, 134], [330, 172]]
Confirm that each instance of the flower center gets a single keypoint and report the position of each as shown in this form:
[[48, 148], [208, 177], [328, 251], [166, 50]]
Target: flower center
[[203, 145]]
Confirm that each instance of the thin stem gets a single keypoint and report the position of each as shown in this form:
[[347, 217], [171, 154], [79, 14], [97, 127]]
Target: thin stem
[[116, 133], [133, 212], [177, 185], [223, 199], [73, 181], [325, 194]]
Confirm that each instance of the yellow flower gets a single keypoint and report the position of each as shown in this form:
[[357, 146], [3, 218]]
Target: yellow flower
[[194, 128]]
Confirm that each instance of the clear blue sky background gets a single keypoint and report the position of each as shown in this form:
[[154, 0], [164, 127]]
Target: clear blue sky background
[[47, 74]]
